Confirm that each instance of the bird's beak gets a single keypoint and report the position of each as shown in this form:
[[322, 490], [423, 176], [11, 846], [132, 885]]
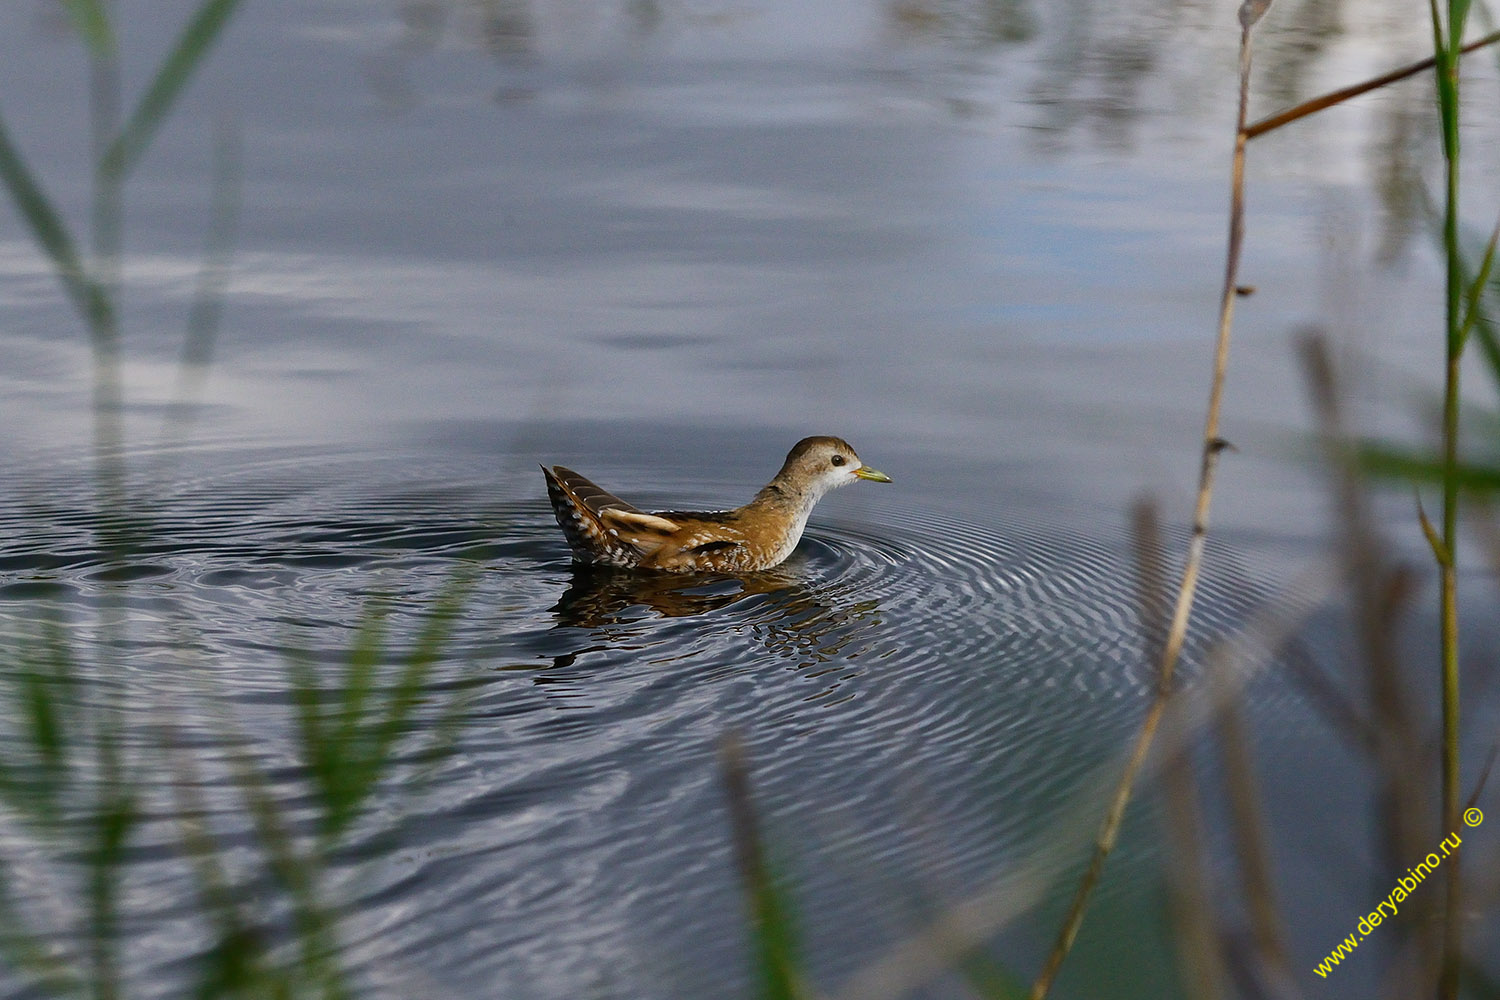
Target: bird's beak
[[873, 475]]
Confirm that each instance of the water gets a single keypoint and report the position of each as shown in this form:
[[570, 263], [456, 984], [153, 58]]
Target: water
[[895, 657], [658, 246]]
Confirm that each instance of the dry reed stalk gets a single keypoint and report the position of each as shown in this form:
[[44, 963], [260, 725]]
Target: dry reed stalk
[[964, 925], [1327, 698], [1248, 828], [1151, 577], [1447, 56], [1194, 922], [968, 923], [1196, 934], [1213, 444], [1193, 918], [1336, 97], [1378, 589]]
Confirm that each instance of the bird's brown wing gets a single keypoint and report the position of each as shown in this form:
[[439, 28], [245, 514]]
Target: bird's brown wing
[[637, 523], [711, 539], [599, 526]]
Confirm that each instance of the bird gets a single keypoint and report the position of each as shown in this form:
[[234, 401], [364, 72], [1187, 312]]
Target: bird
[[604, 530]]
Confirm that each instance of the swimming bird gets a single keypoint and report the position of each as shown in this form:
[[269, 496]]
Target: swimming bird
[[601, 528]]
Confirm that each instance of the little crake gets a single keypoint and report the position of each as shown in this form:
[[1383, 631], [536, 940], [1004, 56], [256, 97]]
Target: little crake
[[601, 528]]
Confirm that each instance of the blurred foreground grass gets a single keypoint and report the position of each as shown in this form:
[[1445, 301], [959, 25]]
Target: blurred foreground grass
[[78, 794]]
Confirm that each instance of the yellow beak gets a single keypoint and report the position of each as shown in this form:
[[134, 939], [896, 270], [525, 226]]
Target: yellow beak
[[873, 475]]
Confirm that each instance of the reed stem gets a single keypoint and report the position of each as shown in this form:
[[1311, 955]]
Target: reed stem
[[1332, 98], [1213, 445], [1448, 54]]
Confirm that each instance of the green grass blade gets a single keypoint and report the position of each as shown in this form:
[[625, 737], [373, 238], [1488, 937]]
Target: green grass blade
[[1478, 319], [36, 783], [43, 721], [207, 308], [91, 21], [49, 231], [443, 734], [1480, 316], [299, 874], [234, 965], [774, 942], [1489, 340], [333, 723], [13, 789], [51, 683], [312, 719], [197, 38], [1474, 297], [361, 673], [1391, 462], [419, 664], [1434, 540], [111, 827], [1445, 63], [1458, 16], [353, 738], [371, 725], [23, 949]]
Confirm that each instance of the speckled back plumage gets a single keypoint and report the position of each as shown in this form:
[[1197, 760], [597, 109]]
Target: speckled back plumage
[[577, 501], [601, 528]]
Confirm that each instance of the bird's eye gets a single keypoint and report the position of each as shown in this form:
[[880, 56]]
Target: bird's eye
[[837, 460]]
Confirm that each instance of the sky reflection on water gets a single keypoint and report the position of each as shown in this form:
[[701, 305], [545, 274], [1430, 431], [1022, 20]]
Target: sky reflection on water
[[982, 241]]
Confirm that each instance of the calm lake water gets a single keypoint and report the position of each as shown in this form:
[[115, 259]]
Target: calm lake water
[[659, 243]]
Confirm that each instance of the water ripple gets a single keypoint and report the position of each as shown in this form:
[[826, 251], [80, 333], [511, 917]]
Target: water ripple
[[903, 681]]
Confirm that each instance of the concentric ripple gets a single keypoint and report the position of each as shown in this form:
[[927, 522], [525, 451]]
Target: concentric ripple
[[918, 695], [1055, 605]]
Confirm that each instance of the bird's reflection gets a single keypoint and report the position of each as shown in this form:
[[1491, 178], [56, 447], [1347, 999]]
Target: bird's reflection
[[504, 29], [601, 596], [794, 619]]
